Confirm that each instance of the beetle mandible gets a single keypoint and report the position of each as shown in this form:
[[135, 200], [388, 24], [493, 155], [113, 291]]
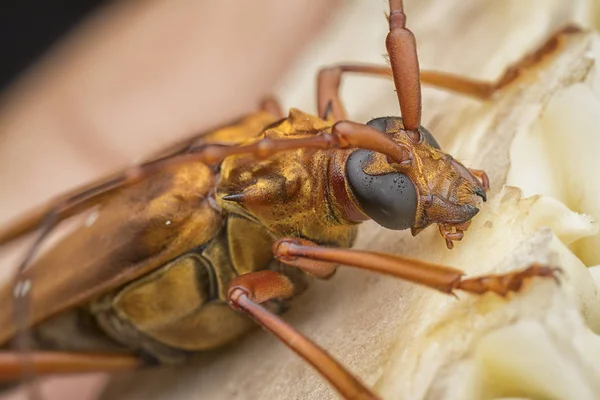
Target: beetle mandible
[[236, 222]]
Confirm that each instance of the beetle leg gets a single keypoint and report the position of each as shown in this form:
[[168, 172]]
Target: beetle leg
[[329, 79], [46, 362], [271, 105], [246, 292], [299, 252], [402, 49], [483, 177], [484, 90]]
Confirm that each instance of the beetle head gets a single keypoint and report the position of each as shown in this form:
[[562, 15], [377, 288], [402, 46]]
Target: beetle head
[[432, 188]]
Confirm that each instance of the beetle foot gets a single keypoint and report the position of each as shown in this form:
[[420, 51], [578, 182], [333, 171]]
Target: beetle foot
[[502, 284]]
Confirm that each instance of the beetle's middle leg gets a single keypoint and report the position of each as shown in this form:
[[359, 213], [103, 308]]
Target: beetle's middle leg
[[247, 292]]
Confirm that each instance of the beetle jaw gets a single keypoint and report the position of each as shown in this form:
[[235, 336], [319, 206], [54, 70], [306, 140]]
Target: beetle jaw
[[450, 198], [452, 220]]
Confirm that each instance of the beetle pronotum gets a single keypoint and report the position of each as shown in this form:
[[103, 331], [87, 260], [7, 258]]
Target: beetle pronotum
[[183, 211]]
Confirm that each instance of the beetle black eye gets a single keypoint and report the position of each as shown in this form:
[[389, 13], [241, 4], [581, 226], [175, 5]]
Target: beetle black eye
[[389, 124], [390, 199]]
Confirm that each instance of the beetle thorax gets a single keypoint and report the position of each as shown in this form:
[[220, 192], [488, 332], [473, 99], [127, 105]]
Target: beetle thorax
[[289, 193]]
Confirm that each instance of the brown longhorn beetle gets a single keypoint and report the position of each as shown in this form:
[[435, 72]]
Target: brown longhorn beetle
[[187, 245]]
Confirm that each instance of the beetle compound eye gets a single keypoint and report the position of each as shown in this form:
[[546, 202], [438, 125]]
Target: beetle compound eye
[[393, 124], [390, 199]]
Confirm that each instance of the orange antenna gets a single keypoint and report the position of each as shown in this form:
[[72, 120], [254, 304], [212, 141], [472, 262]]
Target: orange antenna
[[402, 49]]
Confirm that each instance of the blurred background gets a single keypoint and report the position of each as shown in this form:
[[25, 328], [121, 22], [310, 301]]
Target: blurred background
[[29, 28], [88, 87]]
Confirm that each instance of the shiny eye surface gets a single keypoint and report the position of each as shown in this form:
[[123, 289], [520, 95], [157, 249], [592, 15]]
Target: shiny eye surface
[[389, 124], [390, 199]]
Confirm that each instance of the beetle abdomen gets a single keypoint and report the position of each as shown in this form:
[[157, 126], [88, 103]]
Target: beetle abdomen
[[181, 307]]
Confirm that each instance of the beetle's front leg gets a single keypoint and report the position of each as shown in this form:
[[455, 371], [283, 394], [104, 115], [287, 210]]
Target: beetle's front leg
[[310, 257]]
